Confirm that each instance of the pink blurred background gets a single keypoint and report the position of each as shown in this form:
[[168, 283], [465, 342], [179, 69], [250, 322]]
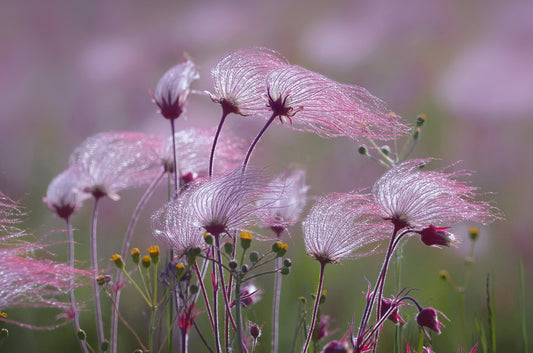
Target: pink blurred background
[[70, 69]]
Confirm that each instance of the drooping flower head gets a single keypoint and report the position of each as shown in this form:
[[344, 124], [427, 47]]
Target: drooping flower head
[[427, 317], [230, 201], [64, 196], [340, 224], [286, 211], [192, 152], [113, 161], [411, 197], [312, 102], [173, 89], [175, 226], [239, 80]]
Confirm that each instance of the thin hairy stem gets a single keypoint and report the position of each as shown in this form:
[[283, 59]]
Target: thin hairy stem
[[175, 159], [315, 309], [73, 305], [94, 260], [256, 140], [215, 140], [125, 246]]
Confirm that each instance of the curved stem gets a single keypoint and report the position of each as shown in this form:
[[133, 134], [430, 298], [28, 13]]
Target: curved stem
[[275, 310], [174, 156], [238, 329], [73, 305], [215, 140], [204, 293], [256, 140], [94, 259], [223, 284], [125, 246], [315, 309]]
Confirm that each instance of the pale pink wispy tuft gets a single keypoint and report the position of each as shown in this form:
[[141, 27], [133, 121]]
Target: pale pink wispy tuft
[[113, 161], [286, 211], [409, 196], [231, 201], [63, 196], [173, 89], [239, 80], [192, 152], [315, 103], [340, 224], [24, 279], [175, 225]]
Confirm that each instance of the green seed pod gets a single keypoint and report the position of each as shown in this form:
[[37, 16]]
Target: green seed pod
[[254, 256], [287, 262], [228, 248], [285, 271]]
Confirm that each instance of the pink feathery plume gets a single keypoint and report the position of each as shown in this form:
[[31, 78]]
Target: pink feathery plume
[[340, 224], [410, 196], [173, 89], [192, 152], [312, 102], [176, 227], [231, 201], [239, 80], [113, 161], [286, 211]]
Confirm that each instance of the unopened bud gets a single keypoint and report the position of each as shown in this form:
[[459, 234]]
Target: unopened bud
[[103, 279], [279, 248], [4, 333], [255, 331], [117, 260], [254, 256], [154, 253], [180, 268], [420, 120], [246, 239], [228, 248], [233, 264], [287, 263], [136, 255], [385, 150], [473, 233], [245, 268], [208, 237], [302, 299], [146, 261], [193, 289], [82, 336], [285, 271], [105, 345], [362, 150], [443, 274], [323, 297]]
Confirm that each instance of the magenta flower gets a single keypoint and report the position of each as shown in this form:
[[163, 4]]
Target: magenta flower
[[175, 226], [339, 224], [173, 89], [427, 317], [436, 236], [286, 211], [411, 197], [113, 161], [64, 195], [192, 152], [314, 103], [239, 80], [230, 201], [393, 316]]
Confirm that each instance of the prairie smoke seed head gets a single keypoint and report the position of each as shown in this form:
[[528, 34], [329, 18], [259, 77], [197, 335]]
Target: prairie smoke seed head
[[239, 80], [64, 196], [340, 224], [411, 197], [173, 89]]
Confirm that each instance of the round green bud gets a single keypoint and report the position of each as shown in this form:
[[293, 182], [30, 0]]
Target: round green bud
[[81, 335], [287, 262], [4, 333], [323, 297], [209, 238], [228, 248], [362, 150], [245, 268], [254, 256], [285, 271], [193, 289], [136, 255]]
